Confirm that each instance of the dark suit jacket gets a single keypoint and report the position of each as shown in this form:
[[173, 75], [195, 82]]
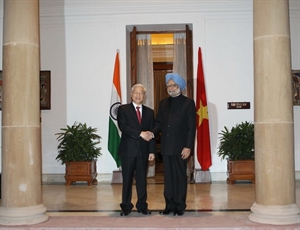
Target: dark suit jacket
[[176, 120], [131, 143]]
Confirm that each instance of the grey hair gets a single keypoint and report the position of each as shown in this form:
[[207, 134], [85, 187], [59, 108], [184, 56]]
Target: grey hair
[[138, 85]]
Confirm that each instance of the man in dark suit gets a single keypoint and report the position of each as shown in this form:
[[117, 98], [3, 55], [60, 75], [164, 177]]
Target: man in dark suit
[[176, 121], [136, 148]]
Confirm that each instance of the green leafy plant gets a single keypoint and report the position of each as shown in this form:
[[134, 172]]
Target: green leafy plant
[[237, 143], [78, 143]]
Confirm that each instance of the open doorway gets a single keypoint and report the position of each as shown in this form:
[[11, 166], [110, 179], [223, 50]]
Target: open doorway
[[169, 49]]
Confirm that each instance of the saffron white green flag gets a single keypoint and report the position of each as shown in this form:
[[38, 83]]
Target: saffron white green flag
[[114, 134]]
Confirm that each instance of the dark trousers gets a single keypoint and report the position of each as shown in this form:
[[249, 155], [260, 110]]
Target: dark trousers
[[135, 166], [175, 179]]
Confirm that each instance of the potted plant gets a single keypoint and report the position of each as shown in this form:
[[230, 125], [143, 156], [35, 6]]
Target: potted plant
[[78, 150], [237, 147]]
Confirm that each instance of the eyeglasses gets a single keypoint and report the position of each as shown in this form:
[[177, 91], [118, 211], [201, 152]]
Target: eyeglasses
[[138, 93], [172, 86]]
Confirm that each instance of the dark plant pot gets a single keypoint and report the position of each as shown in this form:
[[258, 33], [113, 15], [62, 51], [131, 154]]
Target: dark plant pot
[[240, 170], [81, 171]]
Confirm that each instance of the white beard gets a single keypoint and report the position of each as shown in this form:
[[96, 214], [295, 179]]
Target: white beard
[[174, 93]]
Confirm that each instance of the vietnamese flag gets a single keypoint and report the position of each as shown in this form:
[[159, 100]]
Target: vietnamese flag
[[202, 122]]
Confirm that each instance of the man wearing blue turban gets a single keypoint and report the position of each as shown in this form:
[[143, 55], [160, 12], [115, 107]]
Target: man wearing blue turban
[[177, 79], [176, 121]]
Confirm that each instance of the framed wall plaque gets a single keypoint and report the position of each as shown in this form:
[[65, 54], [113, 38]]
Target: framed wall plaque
[[296, 86], [0, 89], [45, 90]]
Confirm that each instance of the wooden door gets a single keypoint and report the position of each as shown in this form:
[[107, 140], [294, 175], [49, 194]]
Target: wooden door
[[133, 67], [159, 82]]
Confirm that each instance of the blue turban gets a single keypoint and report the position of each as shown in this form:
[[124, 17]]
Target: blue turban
[[177, 79]]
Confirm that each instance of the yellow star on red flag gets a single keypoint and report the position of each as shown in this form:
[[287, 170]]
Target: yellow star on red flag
[[202, 113]]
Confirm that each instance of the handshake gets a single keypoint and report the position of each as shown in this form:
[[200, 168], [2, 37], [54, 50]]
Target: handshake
[[147, 135]]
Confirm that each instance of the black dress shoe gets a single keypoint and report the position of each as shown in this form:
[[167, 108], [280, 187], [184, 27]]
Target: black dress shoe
[[124, 213], [144, 211], [178, 212], [165, 212]]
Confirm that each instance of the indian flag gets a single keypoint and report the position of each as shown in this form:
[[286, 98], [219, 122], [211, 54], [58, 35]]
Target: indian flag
[[114, 134]]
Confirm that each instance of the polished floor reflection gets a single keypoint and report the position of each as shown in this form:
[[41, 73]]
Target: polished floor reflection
[[106, 197], [215, 205]]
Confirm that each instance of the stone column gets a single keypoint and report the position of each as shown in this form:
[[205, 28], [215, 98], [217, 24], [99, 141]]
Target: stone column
[[21, 139], [273, 116]]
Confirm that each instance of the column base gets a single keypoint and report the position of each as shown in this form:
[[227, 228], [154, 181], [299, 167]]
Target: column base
[[23, 216], [275, 214]]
